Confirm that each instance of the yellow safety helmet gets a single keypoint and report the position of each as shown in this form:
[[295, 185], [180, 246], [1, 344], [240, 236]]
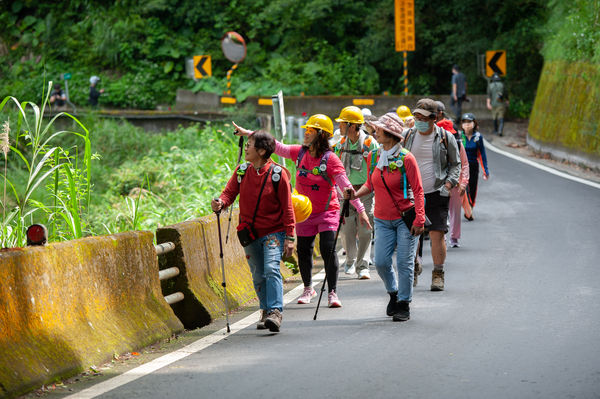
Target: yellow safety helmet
[[302, 206], [351, 114], [320, 121], [403, 112]]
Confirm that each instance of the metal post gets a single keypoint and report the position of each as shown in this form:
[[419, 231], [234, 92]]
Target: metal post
[[405, 74]]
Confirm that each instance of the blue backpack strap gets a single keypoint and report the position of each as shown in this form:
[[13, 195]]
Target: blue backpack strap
[[373, 162]]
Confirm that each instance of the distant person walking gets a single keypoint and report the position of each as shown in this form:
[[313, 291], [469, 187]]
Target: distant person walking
[[399, 212], [473, 142], [353, 150], [94, 92], [459, 91], [497, 102], [318, 170], [265, 209], [438, 158]]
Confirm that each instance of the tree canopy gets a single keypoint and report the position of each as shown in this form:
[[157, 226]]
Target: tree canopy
[[312, 46]]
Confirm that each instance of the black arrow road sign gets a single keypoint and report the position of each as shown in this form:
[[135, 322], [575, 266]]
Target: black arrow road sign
[[200, 66], [492, 63]]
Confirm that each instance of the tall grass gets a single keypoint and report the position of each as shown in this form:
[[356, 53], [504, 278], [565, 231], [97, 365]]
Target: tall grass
[[141, 180], [36, 152]]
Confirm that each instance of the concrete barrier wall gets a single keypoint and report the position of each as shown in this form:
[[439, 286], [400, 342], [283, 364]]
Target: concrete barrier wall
[[565, 119], [69, 305], [197, 256], [329, 105]]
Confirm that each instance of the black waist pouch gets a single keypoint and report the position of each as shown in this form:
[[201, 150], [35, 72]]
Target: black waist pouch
[[246, 234], [409, 217]]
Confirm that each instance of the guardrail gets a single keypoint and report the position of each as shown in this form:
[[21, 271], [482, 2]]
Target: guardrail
[[168, 273]]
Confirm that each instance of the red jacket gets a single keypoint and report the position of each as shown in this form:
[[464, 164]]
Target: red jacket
[[384, 205], [275, 211]]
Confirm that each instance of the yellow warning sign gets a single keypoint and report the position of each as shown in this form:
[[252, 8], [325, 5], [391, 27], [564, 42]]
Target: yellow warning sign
[[202, 66], [495, 62], [404, 22]]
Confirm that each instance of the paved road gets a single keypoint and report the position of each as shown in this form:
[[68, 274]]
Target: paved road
[[520, 317]]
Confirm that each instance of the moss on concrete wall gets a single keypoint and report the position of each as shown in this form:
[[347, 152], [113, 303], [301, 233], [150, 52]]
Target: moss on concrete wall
[[565, 113], [73, 304]]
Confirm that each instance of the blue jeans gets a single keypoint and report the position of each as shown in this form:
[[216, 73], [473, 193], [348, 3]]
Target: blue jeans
[[264, 257], [390, 235]]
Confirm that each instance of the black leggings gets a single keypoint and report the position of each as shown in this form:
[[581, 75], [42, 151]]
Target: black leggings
[[305, 258], [473, 178]]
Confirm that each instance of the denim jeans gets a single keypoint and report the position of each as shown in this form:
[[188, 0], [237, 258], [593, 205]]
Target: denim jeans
[[264, 257], [390, 235]]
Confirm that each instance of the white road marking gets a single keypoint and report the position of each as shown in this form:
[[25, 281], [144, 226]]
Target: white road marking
[[542, 167], [179, 354]]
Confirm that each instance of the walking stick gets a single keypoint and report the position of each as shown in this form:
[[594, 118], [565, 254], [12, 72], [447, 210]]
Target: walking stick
[[224, 284], [241, 145], [344, 213]]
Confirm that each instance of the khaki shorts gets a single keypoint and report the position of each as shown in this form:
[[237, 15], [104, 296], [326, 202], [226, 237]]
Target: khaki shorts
[[498, 112]]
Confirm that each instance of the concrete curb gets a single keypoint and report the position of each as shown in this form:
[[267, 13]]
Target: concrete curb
[[69, 305]]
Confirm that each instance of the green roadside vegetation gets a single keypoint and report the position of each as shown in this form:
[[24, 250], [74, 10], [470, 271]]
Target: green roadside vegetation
[[313, 47], [565, 112], [98, 176]]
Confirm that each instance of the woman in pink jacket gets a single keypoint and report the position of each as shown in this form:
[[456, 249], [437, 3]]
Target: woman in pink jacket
[[318, 170]]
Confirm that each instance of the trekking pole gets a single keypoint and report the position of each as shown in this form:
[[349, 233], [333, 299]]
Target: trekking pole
[[224, 284], [241, 145], [344, 213]]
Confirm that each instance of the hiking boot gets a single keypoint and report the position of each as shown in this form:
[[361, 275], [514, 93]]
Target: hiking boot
[[392, 306], [261, 322], [418, 270], [307, 295], [364, 274], [273, 320], [333, 300], [437, 280], [403, 313]]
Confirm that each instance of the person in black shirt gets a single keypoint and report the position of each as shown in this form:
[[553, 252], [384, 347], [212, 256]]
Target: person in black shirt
[[94, 92], [58, 97]]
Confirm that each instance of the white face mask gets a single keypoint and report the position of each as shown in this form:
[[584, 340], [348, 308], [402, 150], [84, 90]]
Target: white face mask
[[467, 126]]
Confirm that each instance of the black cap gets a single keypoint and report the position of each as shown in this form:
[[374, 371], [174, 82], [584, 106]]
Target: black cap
[[468, 117]]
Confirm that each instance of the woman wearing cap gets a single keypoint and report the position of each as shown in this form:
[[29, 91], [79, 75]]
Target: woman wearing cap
[[265, 206], [318, 170], [473, 142], [395, 179]]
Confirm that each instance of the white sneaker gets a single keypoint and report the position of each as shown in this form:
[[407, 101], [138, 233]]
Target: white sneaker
[[364, 274], [349, 270], [307, 295]]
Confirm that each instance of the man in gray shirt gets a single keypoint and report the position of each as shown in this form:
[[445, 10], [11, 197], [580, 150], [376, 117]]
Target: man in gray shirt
[[459, 92], [436, 152]]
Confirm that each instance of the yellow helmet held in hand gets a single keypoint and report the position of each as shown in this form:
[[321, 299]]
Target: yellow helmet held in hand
[[403, 112], [351, 114], [302, 206], [320, 121]]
